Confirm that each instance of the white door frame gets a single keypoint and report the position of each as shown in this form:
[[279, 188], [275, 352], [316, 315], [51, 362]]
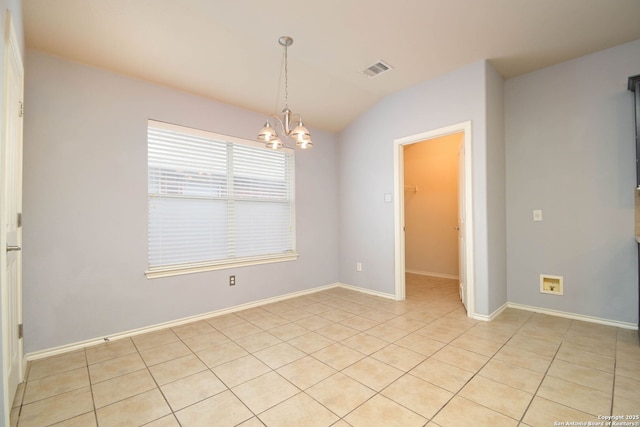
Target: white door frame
[[398, 178]]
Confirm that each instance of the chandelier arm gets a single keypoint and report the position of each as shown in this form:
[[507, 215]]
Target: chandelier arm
[[278, 120]]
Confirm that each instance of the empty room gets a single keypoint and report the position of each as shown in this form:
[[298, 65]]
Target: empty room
[[322, 213]]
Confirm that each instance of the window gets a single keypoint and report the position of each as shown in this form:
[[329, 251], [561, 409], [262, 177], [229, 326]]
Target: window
[[216, 201]]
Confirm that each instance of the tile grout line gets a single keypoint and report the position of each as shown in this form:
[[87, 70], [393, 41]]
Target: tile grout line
[[405, 373], [615, 366], [93, 400], [471, 378], [154, 380], [543, 377], [301, 391], [341, 371], [210, 369]]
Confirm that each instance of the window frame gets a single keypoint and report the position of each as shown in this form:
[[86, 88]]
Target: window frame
[[168, 270]]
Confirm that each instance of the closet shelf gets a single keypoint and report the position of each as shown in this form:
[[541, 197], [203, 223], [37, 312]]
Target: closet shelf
[[411, 188]]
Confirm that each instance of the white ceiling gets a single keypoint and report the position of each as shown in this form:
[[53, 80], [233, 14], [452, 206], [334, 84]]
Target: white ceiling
[[228, 50]]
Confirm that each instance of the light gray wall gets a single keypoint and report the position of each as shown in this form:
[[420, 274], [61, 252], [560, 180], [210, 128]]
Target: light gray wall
[[496, 191], [85, 208], [366, 174], [15, 8], [570, 152]]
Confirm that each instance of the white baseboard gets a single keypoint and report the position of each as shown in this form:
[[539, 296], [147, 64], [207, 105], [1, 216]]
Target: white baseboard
[[367, 291], [95, 341], [574, 316], [428, 273], [493, 315]]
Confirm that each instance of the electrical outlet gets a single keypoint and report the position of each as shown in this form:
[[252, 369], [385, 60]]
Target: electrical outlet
[[358, 266], [232, 280]]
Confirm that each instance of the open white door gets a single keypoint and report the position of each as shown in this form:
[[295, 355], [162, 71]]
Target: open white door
[[461, 227], [10, 218]]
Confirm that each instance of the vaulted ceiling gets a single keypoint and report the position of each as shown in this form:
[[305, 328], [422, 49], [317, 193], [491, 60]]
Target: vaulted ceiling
[[228, 50]]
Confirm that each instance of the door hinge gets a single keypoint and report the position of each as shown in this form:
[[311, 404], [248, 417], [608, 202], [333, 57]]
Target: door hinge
[[20, 331], [19, 220], [20, 109]]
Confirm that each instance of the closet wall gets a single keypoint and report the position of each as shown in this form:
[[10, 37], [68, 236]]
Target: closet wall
[[431, 206]]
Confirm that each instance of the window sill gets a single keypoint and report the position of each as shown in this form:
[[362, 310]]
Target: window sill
[[177, 270]]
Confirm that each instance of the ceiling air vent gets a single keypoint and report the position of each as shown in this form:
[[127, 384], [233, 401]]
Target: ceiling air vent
[[376, 69]]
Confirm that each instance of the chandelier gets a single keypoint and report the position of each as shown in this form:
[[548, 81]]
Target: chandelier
[[290, 124]]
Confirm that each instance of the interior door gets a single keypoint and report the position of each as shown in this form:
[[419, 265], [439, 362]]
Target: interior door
[[10, 217], [461, 227]]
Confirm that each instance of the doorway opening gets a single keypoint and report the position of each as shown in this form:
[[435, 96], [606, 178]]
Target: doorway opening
[[464, 226]]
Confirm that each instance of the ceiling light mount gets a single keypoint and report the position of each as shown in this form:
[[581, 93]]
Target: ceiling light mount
[[285, 41], [297, 133]]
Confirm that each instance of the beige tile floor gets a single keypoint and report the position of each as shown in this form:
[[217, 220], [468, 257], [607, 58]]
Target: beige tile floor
[[343, 358]]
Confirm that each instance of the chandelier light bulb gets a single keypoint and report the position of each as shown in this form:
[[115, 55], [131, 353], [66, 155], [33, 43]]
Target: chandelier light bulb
[[275, 144]]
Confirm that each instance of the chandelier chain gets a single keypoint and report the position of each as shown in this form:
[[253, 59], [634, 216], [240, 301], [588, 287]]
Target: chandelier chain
[[286, 78], [278, 93]]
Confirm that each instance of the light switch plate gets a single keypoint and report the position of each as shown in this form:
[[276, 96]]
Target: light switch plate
[[537, 215]]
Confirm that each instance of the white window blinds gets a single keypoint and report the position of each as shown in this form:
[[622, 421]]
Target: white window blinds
[[216, 201]]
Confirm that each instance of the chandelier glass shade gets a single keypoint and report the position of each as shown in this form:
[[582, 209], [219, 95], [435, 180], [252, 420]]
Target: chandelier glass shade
[[289, 123]]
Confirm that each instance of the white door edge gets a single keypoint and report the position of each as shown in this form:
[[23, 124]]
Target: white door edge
[[12, 374]]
